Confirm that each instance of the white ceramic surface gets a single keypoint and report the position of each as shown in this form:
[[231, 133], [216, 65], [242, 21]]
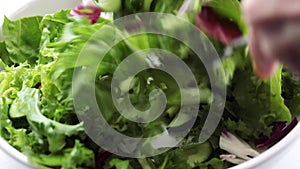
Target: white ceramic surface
[[284, 155]]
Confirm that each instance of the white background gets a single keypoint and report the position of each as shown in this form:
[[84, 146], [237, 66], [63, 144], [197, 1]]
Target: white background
[[8, 6]]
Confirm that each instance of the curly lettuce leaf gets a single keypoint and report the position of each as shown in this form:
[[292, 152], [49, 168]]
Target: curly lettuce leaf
[[28, 105], [120, 164], [76, 157], [255, 103]]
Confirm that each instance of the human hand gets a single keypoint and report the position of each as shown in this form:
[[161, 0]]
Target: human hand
[[274, 34]]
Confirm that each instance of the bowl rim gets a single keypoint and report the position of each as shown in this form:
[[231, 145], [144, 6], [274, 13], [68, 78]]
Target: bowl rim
[[14, 153], [272, 151]]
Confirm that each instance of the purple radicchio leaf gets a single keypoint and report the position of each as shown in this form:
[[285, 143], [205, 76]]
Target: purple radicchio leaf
[[279, 131], [216, 26], [102, 156], [92, 12]]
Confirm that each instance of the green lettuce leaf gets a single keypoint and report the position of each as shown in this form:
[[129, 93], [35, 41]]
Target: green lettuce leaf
[[28, 104], [22, 38]]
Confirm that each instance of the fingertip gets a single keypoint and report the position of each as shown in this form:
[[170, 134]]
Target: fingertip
[[266, 72]]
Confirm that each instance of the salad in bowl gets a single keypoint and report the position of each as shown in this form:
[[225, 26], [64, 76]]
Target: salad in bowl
[[130, 84]]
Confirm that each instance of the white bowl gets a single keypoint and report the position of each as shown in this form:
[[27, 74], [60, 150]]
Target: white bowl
[[283, 155]]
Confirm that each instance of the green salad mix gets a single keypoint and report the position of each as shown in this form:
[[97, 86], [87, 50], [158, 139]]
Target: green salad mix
[[37, 115]]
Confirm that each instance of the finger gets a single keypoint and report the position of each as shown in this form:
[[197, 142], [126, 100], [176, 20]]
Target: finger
[[264, 66], [258, 11]]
